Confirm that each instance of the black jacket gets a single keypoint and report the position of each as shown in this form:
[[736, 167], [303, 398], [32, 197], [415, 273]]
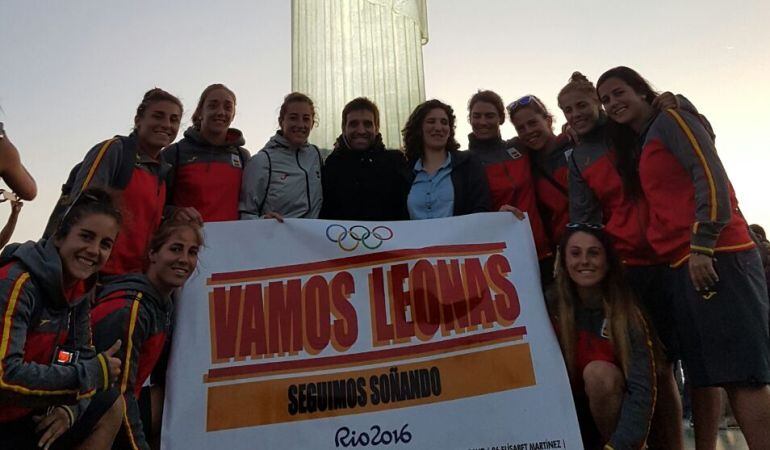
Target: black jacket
[[369, 184], [469, 181]]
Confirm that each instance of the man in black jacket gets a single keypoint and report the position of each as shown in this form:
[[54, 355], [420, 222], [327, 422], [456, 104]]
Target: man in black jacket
[[361, 179]]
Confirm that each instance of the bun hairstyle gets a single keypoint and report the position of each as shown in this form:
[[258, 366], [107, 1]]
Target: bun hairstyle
[[152, 96], [197, 116], [296, 97], [169, 226], [579, 83], [93, 200]]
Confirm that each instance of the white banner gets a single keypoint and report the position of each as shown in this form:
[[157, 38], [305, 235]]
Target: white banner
[[428, 334]]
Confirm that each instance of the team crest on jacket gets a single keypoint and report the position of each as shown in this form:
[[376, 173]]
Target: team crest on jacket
[[513, 152], [236, 161]]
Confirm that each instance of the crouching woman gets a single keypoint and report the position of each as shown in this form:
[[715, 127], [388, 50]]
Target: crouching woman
[[607, 346], [48, 367], [137, 309]]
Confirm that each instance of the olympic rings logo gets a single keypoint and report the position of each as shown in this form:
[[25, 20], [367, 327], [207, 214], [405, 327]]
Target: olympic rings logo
[[349, 239]]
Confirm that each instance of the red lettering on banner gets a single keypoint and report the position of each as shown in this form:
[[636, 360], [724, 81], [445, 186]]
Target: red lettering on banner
[[408, 300], [345, 327]]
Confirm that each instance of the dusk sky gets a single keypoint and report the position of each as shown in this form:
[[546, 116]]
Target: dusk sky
[[73, 72]]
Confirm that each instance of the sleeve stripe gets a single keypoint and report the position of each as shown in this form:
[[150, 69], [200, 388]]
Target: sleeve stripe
[[105, 371], [130, 342], [6, 339], [95, 165], [129, 431], [653, 375], [699, 152]]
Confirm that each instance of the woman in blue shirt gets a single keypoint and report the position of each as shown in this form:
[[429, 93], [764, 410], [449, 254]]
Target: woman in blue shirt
[[445, 181]]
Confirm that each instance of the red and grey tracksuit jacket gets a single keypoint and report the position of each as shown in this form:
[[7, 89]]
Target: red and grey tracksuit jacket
[[142, 199], [130, 309], [593, 344], [692, 205], [37, 316], [597, 195], [510, 183], [207, 177], [549, 174]]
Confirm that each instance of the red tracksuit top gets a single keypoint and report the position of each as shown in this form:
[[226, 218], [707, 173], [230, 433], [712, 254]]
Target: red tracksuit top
[[692, 203], [550, 174], [205, 176], [141, 200], [130, 309], [597, 195], [510, 183]]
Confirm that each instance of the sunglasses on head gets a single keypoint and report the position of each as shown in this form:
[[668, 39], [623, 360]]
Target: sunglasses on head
[[584, 226], [524, 101]]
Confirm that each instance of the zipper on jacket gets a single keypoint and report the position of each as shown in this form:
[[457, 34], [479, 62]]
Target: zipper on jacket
[[307, 181]]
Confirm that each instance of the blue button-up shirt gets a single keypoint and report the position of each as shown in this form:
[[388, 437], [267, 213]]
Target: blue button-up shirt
[[432, 196]]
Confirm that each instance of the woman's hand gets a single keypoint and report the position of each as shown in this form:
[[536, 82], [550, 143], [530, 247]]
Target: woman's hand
[[52, 426], [512, 209], [188, 213], [665, 101], [273, 215], [702, 271], [113, 363]]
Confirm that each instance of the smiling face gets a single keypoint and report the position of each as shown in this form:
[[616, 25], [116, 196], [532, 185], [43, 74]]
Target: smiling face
[[581, 110], [173, 263], [485, 120], [297, 122], [435, 129], [360, 129], [158, 125], [623, 104], [217, 113], [87, 246], [586, 260], [533, 128]]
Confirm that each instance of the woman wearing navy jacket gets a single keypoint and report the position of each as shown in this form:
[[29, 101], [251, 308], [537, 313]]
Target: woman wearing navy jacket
[[207, 164], [445, 182], [720, 312], [136, 308]]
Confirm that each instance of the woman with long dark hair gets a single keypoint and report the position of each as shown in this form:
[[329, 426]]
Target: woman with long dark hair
[[720, 312], [609, 351], [445, 182]]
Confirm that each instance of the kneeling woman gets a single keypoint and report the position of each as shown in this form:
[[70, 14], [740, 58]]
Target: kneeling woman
[[605, 340], [137, 308], [46, 357], [445, 182]]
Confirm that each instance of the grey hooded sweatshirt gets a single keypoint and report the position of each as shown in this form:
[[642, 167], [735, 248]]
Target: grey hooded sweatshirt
[[282, 180]]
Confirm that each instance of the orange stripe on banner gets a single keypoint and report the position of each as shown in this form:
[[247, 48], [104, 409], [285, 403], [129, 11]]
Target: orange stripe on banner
[[357, 359], [351, 262], [461, 376], [699, 152]]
